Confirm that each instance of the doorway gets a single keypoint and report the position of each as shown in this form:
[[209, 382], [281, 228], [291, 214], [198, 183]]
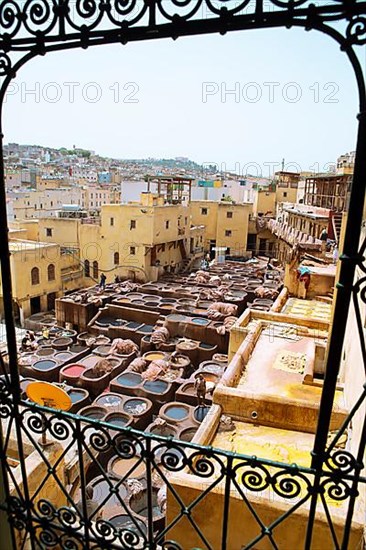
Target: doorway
[[35, 305], [51, 298]]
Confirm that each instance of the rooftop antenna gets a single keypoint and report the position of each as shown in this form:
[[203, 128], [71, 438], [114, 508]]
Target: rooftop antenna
[[283, 165]]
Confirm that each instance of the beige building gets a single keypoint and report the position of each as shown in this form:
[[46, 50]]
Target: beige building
[[226, 225], [41, 272]]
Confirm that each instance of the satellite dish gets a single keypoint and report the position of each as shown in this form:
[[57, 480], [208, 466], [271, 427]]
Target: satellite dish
[[48, 395]]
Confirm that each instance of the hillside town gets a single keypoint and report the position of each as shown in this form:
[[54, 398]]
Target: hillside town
[[188, 304]]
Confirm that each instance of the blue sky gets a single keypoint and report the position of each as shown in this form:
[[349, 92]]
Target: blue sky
[[295, 98]]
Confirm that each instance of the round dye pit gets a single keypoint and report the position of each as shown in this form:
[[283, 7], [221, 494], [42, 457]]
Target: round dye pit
[[94, 412], [44, 352], [101, 492], [109, 400], [133, 325], [118, 419], [187, 434], [77, 348], [129, 379], [62, 343], [135, 407], [63, 356], [177, 318], [176, 412], [147, 329], [103, 350], [102, 340], [153, 355], [77, 395], [122, 466], [156, 386], [200, 413], [200, 321], [44, 365]]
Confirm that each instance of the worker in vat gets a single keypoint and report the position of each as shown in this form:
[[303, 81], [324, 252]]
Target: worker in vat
[[200, 387]]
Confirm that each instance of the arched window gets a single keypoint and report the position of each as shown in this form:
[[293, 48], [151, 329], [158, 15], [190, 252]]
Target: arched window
[[87, 268], [35, 276], [116, 258], [95, 269], [51, 272]]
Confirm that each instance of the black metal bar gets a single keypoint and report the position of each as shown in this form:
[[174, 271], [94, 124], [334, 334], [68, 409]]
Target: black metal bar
[[354, 491], [349, 259], [225, 516], [79, 436], [150, 515]]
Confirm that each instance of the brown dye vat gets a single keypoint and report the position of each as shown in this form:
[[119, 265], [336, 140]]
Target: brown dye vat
[[205, 351], [221, 358], [188, 348], [122, 468], [208, 376], [70, 374], [119, 419], [64, 356], [94, 412], [165, 430], [134, 295], [95, 384], [45, 351], [83, 336], [169, 346], [212, 366], [102, 495], [78, 348], [187, 394], [62, 344], [101, 340], [145, 345], [89, 361], [104, 350], [187, 434]]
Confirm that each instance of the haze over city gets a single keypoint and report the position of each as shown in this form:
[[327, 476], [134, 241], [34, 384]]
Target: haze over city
[[246, 98]]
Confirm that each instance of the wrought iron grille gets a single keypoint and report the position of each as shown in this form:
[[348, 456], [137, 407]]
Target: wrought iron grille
[[36, 27]]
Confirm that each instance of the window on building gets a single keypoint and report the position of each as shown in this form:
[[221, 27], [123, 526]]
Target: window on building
[[133, 224], [167, 224], [87, 268], [111, 221], [48, 231], [35, 276], [185, 220], [132, 250], [116, 258], [285, 194], [51, 203], [229, 214], [228, 233], [95, 269], [41, 206], [51, 275], [204, 211]]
